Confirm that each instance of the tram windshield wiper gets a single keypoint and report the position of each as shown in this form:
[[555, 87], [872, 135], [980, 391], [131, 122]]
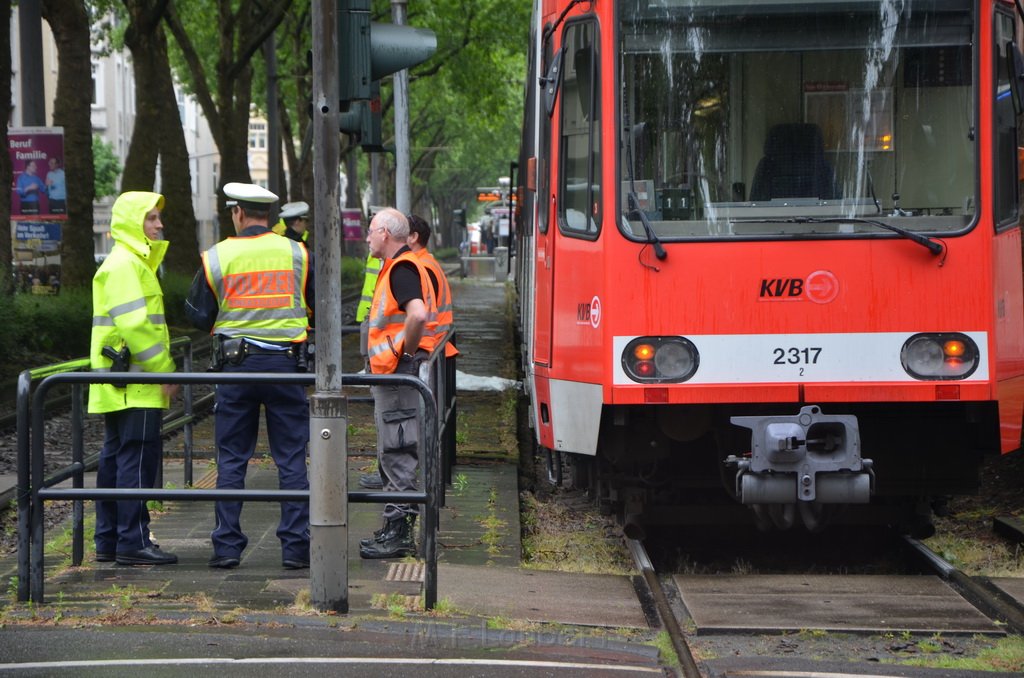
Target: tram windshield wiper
[[932, 245], [636, 213]]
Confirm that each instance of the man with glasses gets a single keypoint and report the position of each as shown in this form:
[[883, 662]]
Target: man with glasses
[[400, 337]]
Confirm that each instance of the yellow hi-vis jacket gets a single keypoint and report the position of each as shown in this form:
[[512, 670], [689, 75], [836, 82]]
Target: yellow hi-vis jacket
[[386, 332], [373, 266], [128, 308], [260, 285], [445, 310]]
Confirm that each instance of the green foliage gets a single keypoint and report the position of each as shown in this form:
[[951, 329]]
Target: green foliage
[[56, 326], [352, 272], [108, 167], [176, 287]]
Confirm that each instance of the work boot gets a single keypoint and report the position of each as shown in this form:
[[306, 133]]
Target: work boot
[[377, 534], [371, 481], [397, 541]]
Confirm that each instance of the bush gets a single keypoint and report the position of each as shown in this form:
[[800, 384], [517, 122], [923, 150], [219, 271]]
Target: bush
[[352, 272], [54, 326]]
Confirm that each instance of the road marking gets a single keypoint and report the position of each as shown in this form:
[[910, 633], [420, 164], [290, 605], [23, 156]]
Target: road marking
[[186, 661]]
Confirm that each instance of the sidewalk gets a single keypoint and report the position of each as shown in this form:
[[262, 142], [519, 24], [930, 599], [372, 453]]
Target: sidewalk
[[478, 541]]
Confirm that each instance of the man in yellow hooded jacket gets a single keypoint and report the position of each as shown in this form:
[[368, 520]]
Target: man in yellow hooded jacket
[[128, 317]]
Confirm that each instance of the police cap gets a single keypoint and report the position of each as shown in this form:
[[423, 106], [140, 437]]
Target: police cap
[[248, 196], [294, 210]]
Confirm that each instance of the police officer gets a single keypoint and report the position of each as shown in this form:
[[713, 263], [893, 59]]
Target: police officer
[[129, 333], [294, 221], [402, 320], [253, 293]]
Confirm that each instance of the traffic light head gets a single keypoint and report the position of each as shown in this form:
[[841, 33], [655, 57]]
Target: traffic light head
[[369, 51]]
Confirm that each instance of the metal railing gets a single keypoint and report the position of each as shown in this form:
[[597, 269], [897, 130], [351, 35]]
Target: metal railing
[[34, 488]]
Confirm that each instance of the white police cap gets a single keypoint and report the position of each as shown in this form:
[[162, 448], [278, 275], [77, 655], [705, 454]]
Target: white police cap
[[248, 195], [294, 210]]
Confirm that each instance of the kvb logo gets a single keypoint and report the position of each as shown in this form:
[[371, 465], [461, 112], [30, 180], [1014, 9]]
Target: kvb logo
[[821, 287], [589, 313]]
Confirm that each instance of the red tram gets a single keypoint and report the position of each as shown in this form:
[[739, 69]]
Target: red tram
[[769, 255]]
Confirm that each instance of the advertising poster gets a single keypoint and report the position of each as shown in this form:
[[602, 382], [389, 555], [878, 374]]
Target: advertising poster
[[352, 223], [38, 206], [38, 192]]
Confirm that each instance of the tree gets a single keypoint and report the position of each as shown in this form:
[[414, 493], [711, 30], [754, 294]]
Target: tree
[[6, 284], [107, 167], [158, 133], [69, 21], [221, 79]]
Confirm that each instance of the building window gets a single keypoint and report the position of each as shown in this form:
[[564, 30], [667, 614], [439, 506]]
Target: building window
[[97, 85], [258, 136]]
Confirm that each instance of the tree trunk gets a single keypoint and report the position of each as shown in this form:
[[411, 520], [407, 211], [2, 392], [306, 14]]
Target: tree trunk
[[7, 282], [158, 134], [69, 22]]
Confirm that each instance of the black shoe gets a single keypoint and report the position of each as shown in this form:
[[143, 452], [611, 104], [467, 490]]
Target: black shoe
[[147, 556], [397, 541], [295, 564], [223, 562], [378, 535], [105, 556], [371, 481]]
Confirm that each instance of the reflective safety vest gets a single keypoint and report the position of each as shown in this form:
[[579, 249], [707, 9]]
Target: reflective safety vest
[[445, 310], [128, 309], [386, 331], [369, 282], [260, 284]]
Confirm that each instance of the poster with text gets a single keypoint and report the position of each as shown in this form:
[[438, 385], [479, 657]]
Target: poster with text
[[38, 192]]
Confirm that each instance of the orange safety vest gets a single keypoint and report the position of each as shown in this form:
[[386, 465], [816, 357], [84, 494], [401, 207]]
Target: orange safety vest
[[445, 310], [260, 286], [386, 321]]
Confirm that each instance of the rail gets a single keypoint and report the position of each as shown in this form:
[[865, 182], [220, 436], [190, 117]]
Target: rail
[[26, 379], [34, 488]]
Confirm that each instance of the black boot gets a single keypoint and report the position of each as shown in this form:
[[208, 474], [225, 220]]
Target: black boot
[[397, 541], [377, 535]]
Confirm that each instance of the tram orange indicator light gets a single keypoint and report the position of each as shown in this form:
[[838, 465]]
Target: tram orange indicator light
[[953, 348], [643, 351], [947, 392]]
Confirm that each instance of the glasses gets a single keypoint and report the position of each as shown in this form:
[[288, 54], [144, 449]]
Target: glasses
[[378, 229]]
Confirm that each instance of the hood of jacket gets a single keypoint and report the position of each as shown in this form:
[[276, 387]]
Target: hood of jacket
[[127, 218]]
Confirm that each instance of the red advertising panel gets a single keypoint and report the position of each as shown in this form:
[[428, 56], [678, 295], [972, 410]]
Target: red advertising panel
[[38, 192]]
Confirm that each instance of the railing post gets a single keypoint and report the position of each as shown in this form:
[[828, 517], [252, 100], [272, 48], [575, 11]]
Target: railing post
[[78, 481], [187, 391], [24, 484]]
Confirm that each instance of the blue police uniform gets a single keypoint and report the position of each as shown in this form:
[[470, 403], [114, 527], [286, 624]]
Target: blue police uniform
[[234, 299]]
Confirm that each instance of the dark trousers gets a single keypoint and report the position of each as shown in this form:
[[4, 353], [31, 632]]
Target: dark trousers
[[131, 455], [236, 429]]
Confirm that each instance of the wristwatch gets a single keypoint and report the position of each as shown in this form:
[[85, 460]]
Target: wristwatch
[[407, 355]]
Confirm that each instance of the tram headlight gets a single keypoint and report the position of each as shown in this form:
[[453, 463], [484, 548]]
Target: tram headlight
[[939, 355], [660, 359]]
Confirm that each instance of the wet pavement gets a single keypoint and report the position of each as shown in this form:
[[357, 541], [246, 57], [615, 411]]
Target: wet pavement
[[485, 600]]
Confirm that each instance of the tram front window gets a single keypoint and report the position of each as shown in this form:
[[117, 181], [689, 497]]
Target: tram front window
[[778, 119]]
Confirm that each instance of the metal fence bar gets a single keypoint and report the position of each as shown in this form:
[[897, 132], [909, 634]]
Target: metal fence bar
[[38, 494]]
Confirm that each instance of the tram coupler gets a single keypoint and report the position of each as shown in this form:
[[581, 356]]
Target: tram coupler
[[810, 457]]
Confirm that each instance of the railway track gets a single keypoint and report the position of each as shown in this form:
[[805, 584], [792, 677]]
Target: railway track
[[923, 597]]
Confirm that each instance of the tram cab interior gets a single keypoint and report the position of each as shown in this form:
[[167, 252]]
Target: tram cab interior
[[748, 123]]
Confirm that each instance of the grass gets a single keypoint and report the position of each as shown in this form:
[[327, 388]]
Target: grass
[[558, 538], [1005, 655], [990, 558]]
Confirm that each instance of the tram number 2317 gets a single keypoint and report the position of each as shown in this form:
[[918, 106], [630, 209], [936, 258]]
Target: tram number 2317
[[796, 356]]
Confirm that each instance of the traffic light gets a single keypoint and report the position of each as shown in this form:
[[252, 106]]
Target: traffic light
[[362, 121], [367, 52], [459, 218]]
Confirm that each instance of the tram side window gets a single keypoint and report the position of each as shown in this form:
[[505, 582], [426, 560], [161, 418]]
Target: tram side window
[[1005, 152], [579, 206]]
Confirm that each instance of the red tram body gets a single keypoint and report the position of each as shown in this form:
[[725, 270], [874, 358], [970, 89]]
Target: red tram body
[[835, 332]]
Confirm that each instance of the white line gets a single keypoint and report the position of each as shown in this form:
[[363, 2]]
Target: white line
[[185, 661]]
